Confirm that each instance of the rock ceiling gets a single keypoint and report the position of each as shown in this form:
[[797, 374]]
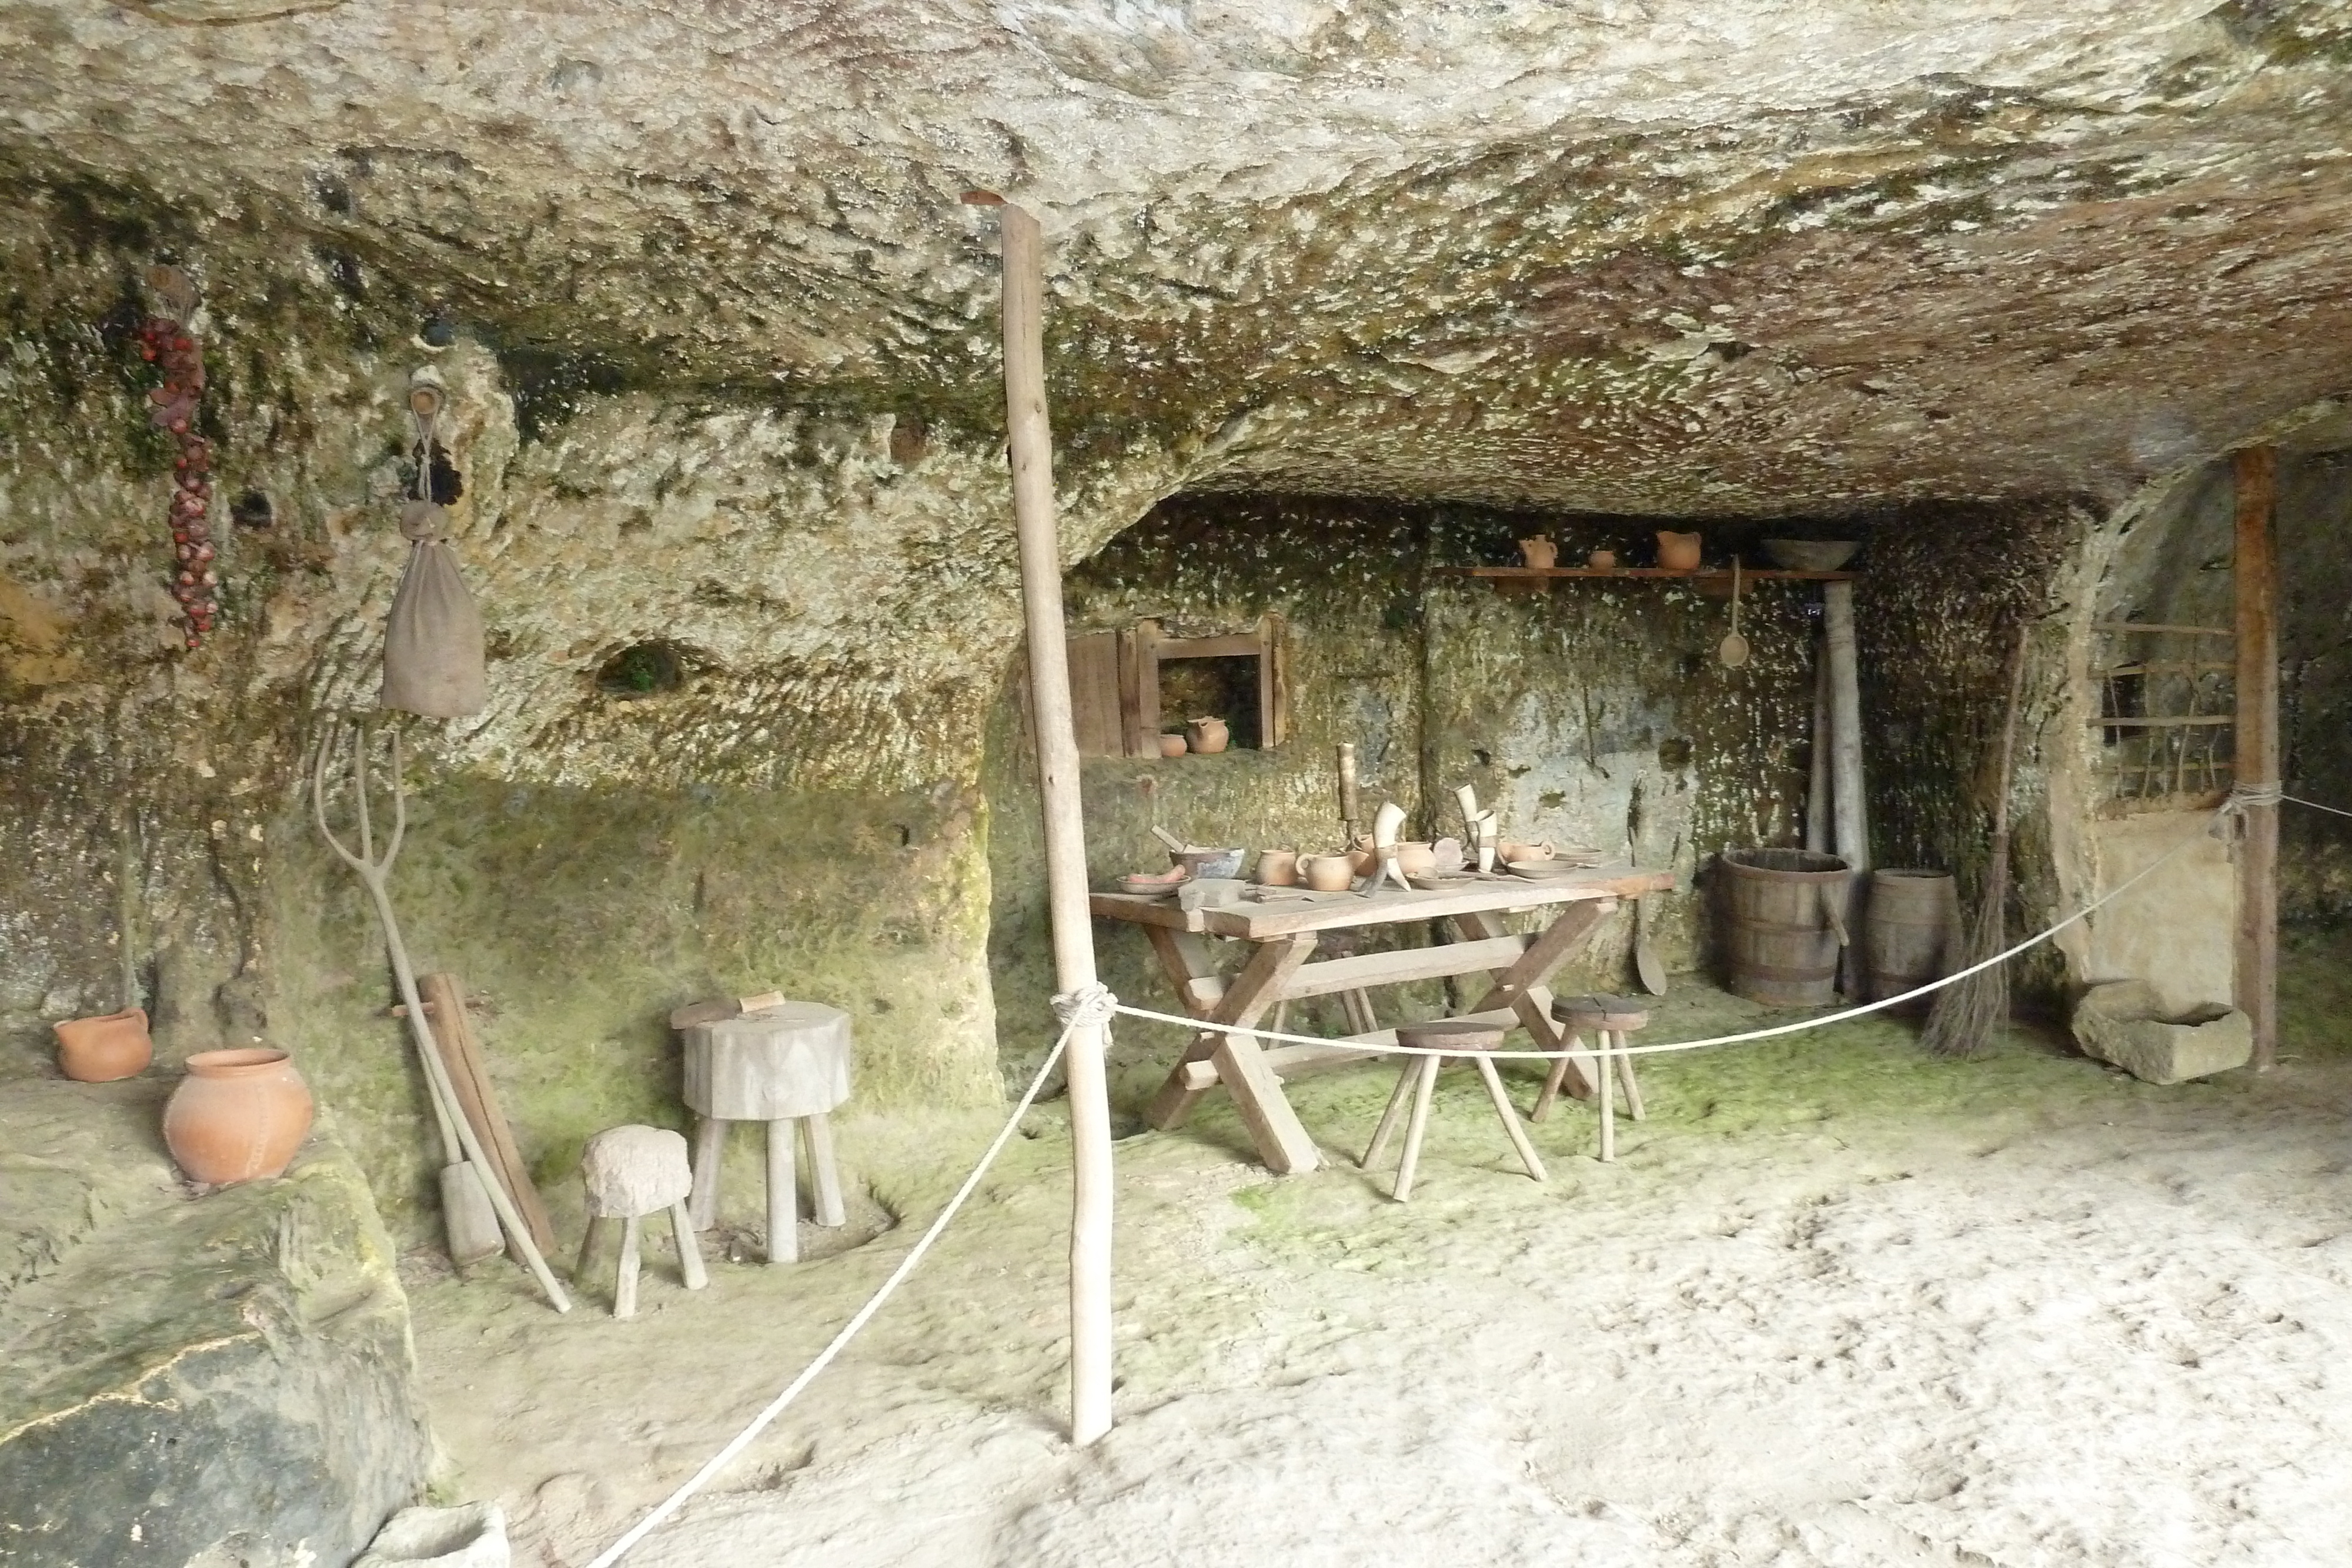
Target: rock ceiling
[[1635, 255]]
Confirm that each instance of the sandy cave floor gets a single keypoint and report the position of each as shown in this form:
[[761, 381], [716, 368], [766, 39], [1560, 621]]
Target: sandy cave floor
[[1839, 1303]]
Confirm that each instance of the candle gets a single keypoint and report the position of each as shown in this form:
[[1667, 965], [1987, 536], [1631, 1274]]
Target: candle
[[1350, 811]]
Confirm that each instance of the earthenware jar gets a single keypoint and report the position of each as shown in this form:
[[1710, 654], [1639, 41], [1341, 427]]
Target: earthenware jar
[[101, 1049], [1171, 746], [1506, 853], [1363, 857], [1209, 736], [1417, 859], [1328, 873], [239, 1115], [1539, 552], [1603, 560], [1277, 868], [1677, 553]]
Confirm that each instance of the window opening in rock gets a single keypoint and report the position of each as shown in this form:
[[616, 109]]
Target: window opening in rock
[[1225, 688], [642, 670]]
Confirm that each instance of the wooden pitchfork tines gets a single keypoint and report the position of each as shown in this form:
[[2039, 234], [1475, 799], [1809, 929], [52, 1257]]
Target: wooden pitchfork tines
[[474, 1206]]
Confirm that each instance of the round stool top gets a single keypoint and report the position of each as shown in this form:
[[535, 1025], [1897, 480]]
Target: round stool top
[[1452, 1034], [1619, 1013], [788, 1060], [635, 1170]]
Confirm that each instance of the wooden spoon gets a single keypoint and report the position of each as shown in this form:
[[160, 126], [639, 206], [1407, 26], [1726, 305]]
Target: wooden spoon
[[1733, 650]]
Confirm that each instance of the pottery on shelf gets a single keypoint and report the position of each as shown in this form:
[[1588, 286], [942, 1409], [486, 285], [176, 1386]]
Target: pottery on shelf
[[1172, 746], [1417, 859], [239, 1115], [1603, 560], [1539, 552], [103, 1049], [1328, 873], [1363, 857], [1209, 863], [1209, 736], [1678, 552], [1277, 868], [1508, 852], [1152, 884]]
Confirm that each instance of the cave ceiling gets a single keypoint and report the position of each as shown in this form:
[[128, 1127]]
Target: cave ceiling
[[1695, 257]]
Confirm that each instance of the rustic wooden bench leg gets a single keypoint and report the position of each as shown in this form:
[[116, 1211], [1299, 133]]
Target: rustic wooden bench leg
[[1273, 1126], [824, 1175], [588, 1246], [1608, 1103], [1388, 1124], [1357, 1005], [625, 1284], [710, 1151], [690, 1256], [1555, 1077], [1632, 1088], [1521, 986], [1494, 1092], [1425, 1085], [783, 1196]]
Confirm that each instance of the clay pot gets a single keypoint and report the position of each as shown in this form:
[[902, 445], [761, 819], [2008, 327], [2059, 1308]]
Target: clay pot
[[1328, 873], [1363, 857], [1277, 868], [1539, 552], [1417, 859], [1603, 560], [1677, 553], [101, 1049], [1209, 736], [239, 1115], [1171, 746], [1506, 853]]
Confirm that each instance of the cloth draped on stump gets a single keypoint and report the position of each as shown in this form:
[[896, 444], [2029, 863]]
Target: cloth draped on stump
[[433, 644]]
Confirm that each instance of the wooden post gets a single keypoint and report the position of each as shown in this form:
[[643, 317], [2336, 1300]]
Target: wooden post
[[1851, 813], [2255, 570], [1031, 442], [1818, 835]]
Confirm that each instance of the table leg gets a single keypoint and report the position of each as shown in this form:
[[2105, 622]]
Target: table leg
[[1608, 1106], [709, 1148], [783, 1197], [690, 1256], [824, 1176], [1552, 1080], [1424, 1087], [1527, 1156], [1406, 1079], [1521, 986], [1633, 1089], [1255, 989], [1357, 1007]]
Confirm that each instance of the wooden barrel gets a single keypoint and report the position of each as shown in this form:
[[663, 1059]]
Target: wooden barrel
[[1911, 933], [1783, 910]]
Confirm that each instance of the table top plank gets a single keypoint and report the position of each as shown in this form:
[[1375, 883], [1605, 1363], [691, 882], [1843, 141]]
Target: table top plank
[[1340, 911]]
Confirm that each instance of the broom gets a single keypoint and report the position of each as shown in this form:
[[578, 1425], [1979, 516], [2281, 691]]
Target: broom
[[1966, 1012]]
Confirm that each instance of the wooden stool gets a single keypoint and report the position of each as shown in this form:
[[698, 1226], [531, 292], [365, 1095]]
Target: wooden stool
[[1470, 1042], [633, 1172], [783, 1063], [1609, 1020]]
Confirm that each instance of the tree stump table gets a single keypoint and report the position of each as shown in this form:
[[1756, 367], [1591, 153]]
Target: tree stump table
[[786, 1064]]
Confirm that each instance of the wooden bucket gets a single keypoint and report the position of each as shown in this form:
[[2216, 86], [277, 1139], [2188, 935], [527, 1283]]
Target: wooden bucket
[[1911, 933], [1785, 913]]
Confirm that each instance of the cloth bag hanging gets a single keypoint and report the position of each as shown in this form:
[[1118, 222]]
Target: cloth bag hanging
[[433, 644]]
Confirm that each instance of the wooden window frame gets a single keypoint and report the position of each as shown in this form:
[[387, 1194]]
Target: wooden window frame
[[1115, 682]]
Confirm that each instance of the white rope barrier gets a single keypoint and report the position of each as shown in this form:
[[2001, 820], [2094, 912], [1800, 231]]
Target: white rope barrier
[[1369, 1049], [719, 1460]]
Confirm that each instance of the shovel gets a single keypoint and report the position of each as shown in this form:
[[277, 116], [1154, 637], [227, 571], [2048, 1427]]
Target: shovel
[[473, 1208]]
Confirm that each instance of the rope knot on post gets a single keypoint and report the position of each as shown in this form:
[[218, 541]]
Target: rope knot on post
[[1092, 1004], [2242, 798]]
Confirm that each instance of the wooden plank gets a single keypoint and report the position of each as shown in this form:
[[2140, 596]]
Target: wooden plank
[[477, 1101], [1257, 922], [2255, 568], [1094, 696], [1147, 682], [1546, 573], [1140, 742], [1273, 682], [1403, 967], [1849, 815], [1138, 909], [1288, 1060], [2169, 721], [1182, 953], [2158, 626], [1244, 1001], [1227, 645]]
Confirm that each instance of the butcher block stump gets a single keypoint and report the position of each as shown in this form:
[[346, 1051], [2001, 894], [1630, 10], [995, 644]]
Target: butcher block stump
[[783, 1063]]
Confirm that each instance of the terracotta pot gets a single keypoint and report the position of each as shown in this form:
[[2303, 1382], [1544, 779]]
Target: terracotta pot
[[1172, 746], [1417, 859], [1328, 873], [1677, 553], [239, 1115], [1209, 736], [101, 1049], [1363, 857], [1506, 853], [1277, 868], [1602, 559], [1539, 552]]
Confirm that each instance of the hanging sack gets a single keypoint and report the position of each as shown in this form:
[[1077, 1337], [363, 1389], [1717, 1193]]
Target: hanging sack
[[433, 645]]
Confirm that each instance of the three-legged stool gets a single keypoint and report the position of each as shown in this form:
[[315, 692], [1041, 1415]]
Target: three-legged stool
[[1454, 1037], [783, 1064], [632, 1172], [1609, 1020]]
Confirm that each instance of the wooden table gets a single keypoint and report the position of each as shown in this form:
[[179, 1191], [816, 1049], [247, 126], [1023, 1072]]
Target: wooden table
[[1283, 935]]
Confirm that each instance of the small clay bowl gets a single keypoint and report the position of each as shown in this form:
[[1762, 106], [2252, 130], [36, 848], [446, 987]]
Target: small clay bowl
[[1155, 885], [1212, 862], [1173, 746]]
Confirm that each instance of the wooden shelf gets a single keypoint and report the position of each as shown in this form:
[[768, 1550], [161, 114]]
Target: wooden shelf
[[1747, 574]]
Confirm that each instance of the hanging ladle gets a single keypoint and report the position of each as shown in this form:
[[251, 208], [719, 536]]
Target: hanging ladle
[[1733, 651]]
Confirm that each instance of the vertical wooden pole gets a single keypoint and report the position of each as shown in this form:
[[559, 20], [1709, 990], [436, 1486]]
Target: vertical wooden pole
[[1030, 443], [2255, 571], [1851, 813], [1817, 788]]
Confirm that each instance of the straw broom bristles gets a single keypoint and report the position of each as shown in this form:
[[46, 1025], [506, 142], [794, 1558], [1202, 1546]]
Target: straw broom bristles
[[1969, 1013]]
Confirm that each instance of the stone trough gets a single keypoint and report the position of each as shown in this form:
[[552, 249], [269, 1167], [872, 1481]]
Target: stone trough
[[2124, 1022]]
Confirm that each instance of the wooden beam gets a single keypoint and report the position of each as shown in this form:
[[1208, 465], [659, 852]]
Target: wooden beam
[[2255, 571], [1402, 966], [1030, 440], [1851, 817]]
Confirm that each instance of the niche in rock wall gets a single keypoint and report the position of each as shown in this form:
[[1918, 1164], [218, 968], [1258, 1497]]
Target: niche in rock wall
[[1129, 686]]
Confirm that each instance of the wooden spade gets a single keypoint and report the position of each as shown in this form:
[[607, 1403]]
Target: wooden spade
[[1733, 650]]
